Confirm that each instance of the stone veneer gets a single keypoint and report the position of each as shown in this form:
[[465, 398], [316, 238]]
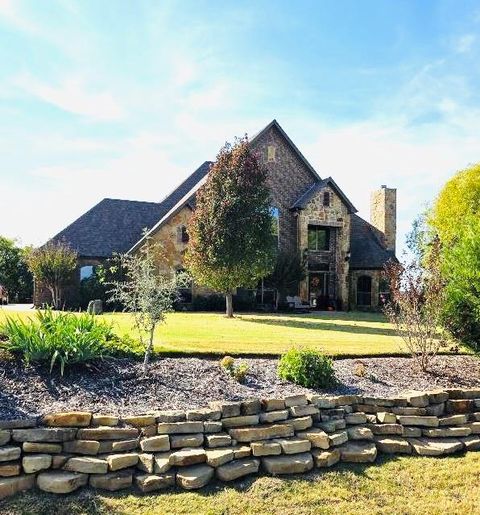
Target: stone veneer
[[62, 452]]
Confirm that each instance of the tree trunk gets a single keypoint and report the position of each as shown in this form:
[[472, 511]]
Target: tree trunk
[[229, 303], [148, 352]]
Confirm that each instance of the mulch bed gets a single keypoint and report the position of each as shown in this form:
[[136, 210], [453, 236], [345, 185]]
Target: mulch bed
[[118, 386]]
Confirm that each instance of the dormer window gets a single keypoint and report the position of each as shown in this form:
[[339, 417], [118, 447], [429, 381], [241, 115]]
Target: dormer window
[[271, 153], [326, 198]]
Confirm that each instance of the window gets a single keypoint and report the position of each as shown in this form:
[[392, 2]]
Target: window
[[86, 272], [318, 238], [271, 153], [326, 199], [182, 234], [364, 291], [275, 214]]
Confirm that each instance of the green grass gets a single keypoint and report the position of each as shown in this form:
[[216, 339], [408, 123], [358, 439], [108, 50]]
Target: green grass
[[407, 485], [338, 334]]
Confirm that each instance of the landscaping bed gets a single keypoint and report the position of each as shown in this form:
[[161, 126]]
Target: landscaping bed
[[118, 387]]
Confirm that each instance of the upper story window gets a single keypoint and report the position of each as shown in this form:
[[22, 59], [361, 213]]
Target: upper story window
[[182, 234], [327, 198], [275, 214], [318, 237], [271, 151], [86, 272]]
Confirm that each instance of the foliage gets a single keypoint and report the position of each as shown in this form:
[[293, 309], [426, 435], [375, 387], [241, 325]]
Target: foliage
[[421, 237], [458, 202], [14, 273], [461, 270], [237, 372], [61, 338], [230, 242], [149, 291], [52, 265], [306, 367], [415, 306], [288, 272]]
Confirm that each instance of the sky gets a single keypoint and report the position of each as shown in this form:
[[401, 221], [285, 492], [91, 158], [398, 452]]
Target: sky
[[124, 99]]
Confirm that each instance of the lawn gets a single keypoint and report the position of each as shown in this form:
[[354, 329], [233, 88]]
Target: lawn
[[406, 485]]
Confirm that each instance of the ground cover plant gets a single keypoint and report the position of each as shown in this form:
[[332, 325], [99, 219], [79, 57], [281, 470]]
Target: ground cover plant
[[306, 367]]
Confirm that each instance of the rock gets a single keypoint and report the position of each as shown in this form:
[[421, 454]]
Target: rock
[[471, 443], [417, 399], [317, 437], [112, 481], [12, 485], [303, 411], [419, 412], [251, 407], [324, 402], [437, 396], [412, 432], [238, 468], [436, 446], [475, 417], [10, 468], [267, 432], [118, 445], [393, 445], [187, 457], [161, 463], [145, 462], [296, 400], [435, 410], [294, 445], [356, 418], [68, 419], [18, 423], [86, 465], [150, 483], [227, 409], [359, 433], [475, 427], [212, 426], [9, 453], [265, 448], [386, 418], [44, 434], [332, 425], [453, 420], [59, 460], [61, 482], [445, 432], [241, 451], [459, 406], [379, 401], [36, 462], [90, 447], [273, 404], [292, 464], [386, 429], [107, 433], [358, 452], [218, 440], [343, 400], [121, 461], [104, 420], [140, 420], [170, 416], [50, 448], [203, 414], [338, 438], [298, 424], [406, 420], [179, 441], [194, 477], [179, 427], [217, 457], [156, 443], [95, 307], [4, 436], [372, 419], [273, 416], [247, 420], [325, 458]]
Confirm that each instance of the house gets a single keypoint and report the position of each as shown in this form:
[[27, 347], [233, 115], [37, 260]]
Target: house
[[344, 254]]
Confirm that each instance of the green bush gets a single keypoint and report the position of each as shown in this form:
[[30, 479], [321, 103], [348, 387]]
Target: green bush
[[237, 372], [307, 368], [63, 339]]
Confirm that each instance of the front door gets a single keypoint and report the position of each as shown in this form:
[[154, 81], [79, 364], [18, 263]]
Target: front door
[[318, 290]]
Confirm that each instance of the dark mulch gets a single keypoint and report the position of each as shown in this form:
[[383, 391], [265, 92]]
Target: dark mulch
[[118, 386]]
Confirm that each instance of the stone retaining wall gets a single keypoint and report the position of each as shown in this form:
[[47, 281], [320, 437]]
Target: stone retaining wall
[[62, 452]]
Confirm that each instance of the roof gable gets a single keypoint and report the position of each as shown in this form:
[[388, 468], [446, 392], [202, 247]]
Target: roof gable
[[305, 198]]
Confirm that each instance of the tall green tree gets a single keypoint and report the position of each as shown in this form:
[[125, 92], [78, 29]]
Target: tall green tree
[[230, 242], [14, 273]]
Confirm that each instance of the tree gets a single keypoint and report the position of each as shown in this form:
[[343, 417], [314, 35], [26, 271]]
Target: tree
[[415, 306], [288, 272], [14, 273], [230, 242], [149, 291], [52, 266]]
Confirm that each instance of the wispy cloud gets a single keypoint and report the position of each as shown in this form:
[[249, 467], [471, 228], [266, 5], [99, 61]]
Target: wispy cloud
[[465, 43]]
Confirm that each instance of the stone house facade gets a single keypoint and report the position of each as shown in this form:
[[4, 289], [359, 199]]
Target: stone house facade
[[344, 255]]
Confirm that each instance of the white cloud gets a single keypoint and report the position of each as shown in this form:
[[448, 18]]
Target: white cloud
[[465, 43]]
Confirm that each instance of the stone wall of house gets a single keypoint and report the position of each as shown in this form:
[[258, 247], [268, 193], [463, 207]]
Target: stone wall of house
[[336, 217], [383, 214], [376, 276], [61, 452]]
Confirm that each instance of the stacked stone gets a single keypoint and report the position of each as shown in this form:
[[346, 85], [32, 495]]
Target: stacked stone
[[228, 440]]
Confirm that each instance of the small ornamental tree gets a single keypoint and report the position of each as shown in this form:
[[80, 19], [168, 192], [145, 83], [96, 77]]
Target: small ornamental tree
[[14, 274], [52, 265], [149, 290], [287, 272], [230, 242]]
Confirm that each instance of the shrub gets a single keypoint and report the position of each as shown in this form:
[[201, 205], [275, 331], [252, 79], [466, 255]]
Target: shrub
[[306, 367], [62, 338], [237, 372]]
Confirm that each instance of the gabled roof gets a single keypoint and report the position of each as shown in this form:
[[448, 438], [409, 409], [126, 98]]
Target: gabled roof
[[366, 249], [116, 225], [275, 124], [305, 197]]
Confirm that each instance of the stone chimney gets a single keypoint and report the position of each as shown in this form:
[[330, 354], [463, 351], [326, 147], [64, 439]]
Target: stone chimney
[[383, 214]]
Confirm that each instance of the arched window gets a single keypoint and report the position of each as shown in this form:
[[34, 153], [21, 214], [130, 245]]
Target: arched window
[[86, 272], [364, 291], [275, 214]]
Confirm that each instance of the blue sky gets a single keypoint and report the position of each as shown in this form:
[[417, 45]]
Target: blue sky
[[123, 99]]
